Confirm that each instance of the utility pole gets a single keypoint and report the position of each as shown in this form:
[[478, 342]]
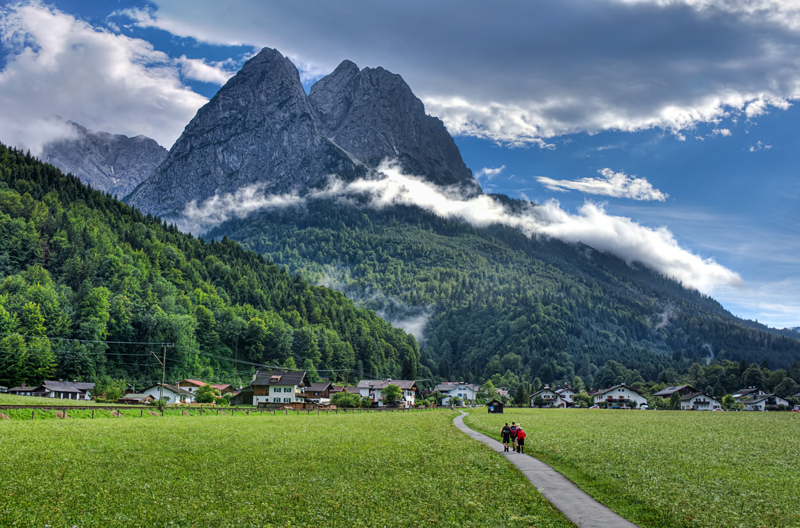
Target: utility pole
[[163, 367]]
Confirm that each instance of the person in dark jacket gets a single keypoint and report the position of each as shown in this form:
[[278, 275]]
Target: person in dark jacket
[[513, 437], [506, 434]]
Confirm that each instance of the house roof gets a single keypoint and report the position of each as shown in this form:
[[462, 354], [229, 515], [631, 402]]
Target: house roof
[[745, 392], [551, 391], [221, 387], [177, 390], [450, 385], [196, 383], [692, 395], [136, 397], [354, 390], [382, 384], [759, 399], [621, 386], [318, 387], [675, 388], [280, 377]]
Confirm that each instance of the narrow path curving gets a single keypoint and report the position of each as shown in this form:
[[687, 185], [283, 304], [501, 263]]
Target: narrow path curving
[[573, 502]]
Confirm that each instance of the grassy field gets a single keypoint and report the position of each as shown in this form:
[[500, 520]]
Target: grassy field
[[671, 469], [13, 399], [355, 470]]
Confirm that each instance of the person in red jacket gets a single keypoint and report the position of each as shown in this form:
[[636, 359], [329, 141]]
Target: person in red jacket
[[520, 439]]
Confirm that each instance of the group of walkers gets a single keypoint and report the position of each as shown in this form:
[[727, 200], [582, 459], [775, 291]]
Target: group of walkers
[[513, 437]]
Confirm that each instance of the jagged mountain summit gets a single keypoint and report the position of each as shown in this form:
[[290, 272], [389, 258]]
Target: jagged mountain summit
[[110, 163], [262, 128]]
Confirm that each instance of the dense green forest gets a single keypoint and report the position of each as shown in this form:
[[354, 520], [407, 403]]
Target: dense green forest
[[90, 287], [502, 306]]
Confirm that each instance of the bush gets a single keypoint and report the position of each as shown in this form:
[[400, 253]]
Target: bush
[[346, 399]]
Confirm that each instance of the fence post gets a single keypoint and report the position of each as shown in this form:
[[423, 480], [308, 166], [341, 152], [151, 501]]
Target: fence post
[[33, 414], [92, 413], [162, 412], [141, 413]]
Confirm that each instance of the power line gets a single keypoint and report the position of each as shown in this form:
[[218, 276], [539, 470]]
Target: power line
[[151, 343]]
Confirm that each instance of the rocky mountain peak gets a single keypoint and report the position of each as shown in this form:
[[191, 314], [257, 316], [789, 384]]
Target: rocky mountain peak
[[262, 128], [111, 163]]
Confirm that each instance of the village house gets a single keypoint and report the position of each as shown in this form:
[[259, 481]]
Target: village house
[[191, 385], [62, 390], [699, 401], [765, 402], [566, 393], [550, 397], [171, 393], [467, 392], [278, 386], [319, 392], [747, 394], [682, 390], [225, 388], [620, 396], [373, 389]]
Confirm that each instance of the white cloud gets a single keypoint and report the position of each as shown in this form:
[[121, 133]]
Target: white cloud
[[59, 65], [616, 184], [759, 146], [489, 173], [240, 204], [486, 75], [655, 248], [724, 132], [199, 70]]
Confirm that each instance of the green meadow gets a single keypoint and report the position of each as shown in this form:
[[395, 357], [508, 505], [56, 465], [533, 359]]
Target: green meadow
[[13, 399], [671, 468], [354, 470]]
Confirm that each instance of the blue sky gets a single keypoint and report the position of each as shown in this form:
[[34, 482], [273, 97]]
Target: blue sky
[[680, 115]]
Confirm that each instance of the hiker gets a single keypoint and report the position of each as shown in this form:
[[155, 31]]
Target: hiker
[[520, 440], [513, 437], [506, 433]]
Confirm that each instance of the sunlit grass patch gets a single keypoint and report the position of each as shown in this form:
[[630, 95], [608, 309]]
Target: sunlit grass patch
[[666, 469]]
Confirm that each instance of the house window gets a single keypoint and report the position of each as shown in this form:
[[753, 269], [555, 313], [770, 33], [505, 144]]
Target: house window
[[277, 400], [287, 389], [287, 400]]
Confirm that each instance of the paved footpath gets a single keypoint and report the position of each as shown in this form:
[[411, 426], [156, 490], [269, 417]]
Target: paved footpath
[[573, 502]]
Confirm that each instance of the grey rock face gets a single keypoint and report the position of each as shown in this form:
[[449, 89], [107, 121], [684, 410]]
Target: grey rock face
[[262, 128], [373, 115], [111, 163]]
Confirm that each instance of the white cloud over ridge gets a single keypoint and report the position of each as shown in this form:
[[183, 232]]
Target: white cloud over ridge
[[655, 248], [550, 69], [616, 184], [57, 65]]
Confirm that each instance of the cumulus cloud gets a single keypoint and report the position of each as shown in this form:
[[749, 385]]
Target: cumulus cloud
[[57, 65], [615, 65], [489, 173], [616, 184], [199, 70], [633, 242]]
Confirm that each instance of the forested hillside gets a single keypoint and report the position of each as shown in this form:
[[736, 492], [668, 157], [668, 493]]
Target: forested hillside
[[80, 270], [504, 305]]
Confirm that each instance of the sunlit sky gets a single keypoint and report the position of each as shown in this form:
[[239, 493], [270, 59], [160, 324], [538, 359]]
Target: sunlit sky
[[679, 115]]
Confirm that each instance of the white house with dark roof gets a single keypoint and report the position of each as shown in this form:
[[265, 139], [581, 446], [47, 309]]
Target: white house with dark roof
[[373, 390], [699, 401], [467, 392], [62, 390], [747, 394], [550, 397], [566, 393], [278, 386], [764, 402], [620, 395], [682, 390], [171, 393]]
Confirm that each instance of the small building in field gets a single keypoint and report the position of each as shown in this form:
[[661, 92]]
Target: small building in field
[[495, 407], [466, 392], [682, 390], [620, 397], [551, 398], [61, 390], [171, 393], [765, 402], [136, 399], [279, 386], [699, 401], [373, 389]]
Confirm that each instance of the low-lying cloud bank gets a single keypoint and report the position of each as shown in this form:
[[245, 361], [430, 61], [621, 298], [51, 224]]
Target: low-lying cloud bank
[[592, 225]]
